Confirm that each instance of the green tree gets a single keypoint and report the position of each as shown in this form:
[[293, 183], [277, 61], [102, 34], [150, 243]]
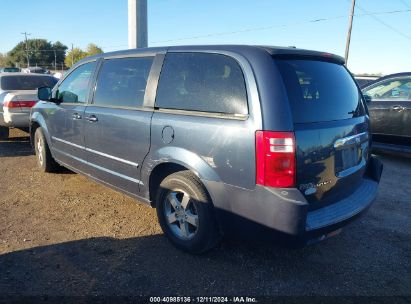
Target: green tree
[[40, 52], [78, 54], [5, 60], [60, 49], [74, 55], [93, 49]]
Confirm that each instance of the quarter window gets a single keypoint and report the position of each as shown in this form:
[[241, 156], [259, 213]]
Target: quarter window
[[202, 82], [122, 82], [75, 87]]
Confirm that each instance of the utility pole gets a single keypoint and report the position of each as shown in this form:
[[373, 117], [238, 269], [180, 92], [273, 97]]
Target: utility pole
[[137, 24], [347, 45], [55, 60], [27, 48], [72, 55]]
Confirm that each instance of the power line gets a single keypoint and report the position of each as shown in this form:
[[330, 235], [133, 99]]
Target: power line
[[43, 50], [405, 3], [366, 13], [279, 26], [384, 23], [267, 27]]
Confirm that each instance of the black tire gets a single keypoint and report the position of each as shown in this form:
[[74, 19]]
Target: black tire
[[202, 237], [45, 162], [4, 133]]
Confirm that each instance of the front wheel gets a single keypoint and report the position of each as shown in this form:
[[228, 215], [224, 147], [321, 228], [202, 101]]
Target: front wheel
[[186, 214], [45, 161], [4, 133]]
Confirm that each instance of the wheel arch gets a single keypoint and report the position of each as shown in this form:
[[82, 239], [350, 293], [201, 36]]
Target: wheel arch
[[37, 121], [162, 169]]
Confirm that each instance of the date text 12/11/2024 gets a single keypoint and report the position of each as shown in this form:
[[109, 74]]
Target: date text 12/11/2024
[[239, 299]]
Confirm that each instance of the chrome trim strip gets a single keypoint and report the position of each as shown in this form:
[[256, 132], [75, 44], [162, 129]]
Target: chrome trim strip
[[112, 157], [68, 143], [104, 182], [134, 180], [96, 152], [351, 140]]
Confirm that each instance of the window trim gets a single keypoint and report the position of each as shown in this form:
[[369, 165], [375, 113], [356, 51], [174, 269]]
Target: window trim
[[139, 108], [58, 84], [237, 58], [203, 114], [142, 107]]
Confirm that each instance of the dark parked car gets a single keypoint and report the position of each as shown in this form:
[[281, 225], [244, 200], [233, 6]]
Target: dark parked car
[[390, 112], [276, 137], [364, 81]]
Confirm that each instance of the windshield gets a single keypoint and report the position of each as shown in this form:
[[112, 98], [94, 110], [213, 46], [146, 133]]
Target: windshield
[[320, 91], [23, 82]]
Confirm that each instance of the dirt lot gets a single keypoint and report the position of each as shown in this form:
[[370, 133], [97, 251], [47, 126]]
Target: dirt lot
[[61, 234]]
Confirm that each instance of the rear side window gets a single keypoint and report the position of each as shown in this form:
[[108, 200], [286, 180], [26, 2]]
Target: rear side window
[[202, 82], [392, 89], [29, 82], [122, 82], [11, 70], [320, 91]]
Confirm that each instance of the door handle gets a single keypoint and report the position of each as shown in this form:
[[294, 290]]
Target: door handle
[[76, 116], [92, 118], [398, 108]]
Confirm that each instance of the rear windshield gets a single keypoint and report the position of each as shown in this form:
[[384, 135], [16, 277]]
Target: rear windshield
[[11, 70], [320, 91], [23, 82]]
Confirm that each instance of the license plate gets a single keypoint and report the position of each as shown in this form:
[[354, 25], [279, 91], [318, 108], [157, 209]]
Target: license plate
[[350, 157]]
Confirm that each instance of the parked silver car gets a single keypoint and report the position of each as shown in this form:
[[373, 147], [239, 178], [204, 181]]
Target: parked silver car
[[18, 93]]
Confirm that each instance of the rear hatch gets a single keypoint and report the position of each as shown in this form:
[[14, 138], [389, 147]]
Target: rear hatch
[[331, 128]]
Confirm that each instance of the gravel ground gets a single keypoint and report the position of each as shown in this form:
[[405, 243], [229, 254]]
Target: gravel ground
[[62, 234]]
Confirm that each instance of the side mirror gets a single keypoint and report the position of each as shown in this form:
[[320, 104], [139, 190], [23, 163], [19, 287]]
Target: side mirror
[[367, 98], [44, 93]]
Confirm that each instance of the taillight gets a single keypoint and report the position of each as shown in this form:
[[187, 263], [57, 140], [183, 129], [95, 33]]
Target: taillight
[[275, 157], [11, 104], [19, 104], [27, 103]]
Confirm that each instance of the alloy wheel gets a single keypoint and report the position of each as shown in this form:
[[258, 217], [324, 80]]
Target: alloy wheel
[[39, 146], [181, 214]]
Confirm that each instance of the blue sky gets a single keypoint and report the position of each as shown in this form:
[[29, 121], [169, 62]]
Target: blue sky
[[380, 43]]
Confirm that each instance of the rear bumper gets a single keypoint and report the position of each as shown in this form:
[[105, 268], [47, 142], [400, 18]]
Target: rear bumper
[[11, 119], [286, 210], [343, 210]]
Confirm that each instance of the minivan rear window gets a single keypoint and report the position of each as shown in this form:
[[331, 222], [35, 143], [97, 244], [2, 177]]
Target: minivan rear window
[[320, 91], [29, 82]]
